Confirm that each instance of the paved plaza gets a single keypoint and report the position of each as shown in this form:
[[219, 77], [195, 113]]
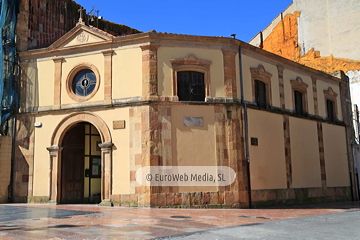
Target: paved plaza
[[42, 221]]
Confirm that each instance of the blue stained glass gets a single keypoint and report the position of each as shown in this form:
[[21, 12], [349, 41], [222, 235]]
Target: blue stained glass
[[90, 88], [84, 83]]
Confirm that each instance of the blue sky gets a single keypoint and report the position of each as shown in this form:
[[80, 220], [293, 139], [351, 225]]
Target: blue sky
[[196, 17]]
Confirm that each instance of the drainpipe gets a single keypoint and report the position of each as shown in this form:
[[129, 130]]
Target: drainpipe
[[246, 133], [346, 136], [12, 167], [357, 132]]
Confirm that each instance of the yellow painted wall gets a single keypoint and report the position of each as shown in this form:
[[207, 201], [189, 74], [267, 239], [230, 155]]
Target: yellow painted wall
[[46, 82], [40, 84], [120, 138], [127, 73], [289, 103], [97, 59], [193, 145], [250, 62], [126, 77], [165, 73], [305, 159], [324, 85], [41, 155], [121, 150], [267, 160], [336, 163]]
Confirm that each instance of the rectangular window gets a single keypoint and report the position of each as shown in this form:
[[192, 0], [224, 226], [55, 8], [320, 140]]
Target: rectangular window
[[299, 107], [191, 86], [330, 110], [260, 93]]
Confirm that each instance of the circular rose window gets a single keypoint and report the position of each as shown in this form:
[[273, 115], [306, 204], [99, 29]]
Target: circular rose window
[[84, 83]]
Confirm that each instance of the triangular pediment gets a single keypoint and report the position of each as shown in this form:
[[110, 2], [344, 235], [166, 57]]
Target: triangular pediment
[[81, 35]]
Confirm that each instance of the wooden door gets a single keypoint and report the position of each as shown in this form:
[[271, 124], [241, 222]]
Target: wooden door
[[72, 180]]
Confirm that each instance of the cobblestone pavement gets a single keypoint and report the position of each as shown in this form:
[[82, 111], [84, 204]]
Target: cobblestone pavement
[[42, 221]]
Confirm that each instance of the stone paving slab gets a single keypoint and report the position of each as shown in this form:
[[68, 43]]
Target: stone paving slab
[[42, 221], [14, 213], [332, 226]]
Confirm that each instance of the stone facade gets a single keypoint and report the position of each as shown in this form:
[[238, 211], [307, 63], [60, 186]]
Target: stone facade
[[5, 170], [141, 122], [24, 159]]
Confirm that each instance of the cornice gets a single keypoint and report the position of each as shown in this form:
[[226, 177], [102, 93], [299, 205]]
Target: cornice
[[154, 38]]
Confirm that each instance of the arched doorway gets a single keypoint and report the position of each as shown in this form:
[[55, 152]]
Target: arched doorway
[[81, 165], [69, 131]]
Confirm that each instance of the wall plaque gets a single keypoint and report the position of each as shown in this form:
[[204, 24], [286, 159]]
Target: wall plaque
[[120, 124], [194, 121]]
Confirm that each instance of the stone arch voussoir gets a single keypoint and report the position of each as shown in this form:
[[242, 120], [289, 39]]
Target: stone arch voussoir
[[74, 118]]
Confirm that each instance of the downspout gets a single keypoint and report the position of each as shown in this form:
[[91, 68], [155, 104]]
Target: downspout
[[246, 133], [13, 130], [347, 140], [356, 175]]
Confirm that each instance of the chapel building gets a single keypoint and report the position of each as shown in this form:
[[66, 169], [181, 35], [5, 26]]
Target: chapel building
[[95, 108]]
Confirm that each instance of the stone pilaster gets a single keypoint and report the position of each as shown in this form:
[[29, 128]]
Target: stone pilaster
[[106, 166], [145, 141], [135, 148], [149, 72], [23, 86], [150, 140], [139, 156], [281, 86], [108, 76], [220, 139], [321, 154], [316, 107], [165, 143], [55, 169], [233, 195], [228, 143], [57, 82], [229, 73], [346, 105], [287, 151]]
